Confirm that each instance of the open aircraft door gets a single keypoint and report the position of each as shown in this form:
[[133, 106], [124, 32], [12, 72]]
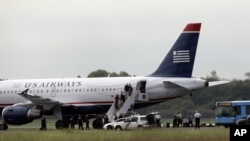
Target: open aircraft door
[[141, 88]]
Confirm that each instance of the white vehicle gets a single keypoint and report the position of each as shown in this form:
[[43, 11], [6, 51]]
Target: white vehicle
[[111, 125], [132, 122]]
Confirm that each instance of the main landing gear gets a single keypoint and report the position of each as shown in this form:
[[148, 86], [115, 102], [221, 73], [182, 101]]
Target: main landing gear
[[3, 126], [62, 124]]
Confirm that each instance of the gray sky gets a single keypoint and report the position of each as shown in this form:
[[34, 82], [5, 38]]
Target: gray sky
[[64, 38]]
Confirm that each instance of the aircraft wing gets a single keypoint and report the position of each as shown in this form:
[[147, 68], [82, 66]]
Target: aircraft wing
[[38, 100]]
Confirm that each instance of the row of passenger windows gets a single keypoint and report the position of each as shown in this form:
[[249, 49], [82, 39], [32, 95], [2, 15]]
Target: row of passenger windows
[[36, 91]]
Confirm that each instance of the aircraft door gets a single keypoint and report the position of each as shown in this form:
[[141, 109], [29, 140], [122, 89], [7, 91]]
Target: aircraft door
[[143, 96], [53, 92]]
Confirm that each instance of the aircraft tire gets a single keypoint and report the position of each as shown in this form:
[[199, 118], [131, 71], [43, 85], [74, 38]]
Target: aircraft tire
[[59, 124], [3, 126], [97, 124]]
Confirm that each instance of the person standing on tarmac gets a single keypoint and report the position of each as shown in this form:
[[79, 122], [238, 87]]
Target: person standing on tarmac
[[158, 119], [43, 123], [179, 119], [72, 122], [197, 117], [87, 122], [190, 120], [80, 122]]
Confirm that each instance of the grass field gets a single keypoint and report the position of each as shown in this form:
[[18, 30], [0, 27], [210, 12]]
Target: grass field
[[31, 132], [168, 134]]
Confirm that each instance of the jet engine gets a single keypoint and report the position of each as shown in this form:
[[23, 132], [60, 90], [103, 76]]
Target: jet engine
[[18, 115]]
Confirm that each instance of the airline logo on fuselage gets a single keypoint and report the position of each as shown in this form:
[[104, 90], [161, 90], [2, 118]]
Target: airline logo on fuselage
[[181, 56], [53, 84]]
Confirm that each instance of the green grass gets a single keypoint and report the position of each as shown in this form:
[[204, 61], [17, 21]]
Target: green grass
[[31, 132], [169, 134]]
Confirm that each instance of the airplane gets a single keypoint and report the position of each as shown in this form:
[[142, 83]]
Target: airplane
[[22, 101]]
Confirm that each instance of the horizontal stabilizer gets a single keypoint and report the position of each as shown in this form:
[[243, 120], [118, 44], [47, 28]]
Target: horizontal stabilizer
[[189, 84], [214, 83]]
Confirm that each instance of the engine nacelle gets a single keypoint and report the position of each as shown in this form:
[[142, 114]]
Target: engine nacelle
[[18, 115]]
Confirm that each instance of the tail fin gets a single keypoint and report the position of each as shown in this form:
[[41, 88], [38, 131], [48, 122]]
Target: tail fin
[[179, 61]]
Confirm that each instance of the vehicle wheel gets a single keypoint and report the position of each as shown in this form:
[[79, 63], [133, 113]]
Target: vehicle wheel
[[242, 123], [118, 128], [109, 128], [140, 127], [59, 124]]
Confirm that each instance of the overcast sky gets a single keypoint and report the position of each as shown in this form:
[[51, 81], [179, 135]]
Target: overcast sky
[[66, 38]]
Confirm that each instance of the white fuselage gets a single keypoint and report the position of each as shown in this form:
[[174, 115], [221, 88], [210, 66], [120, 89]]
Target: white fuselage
[[88, 91]]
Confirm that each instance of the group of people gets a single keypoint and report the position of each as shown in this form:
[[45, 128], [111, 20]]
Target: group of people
[[73, 121], [178, 119], [80, 120], [120, 99]]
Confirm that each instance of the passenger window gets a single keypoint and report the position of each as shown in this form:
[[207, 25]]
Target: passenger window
[[237, 110], [248, 110]]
